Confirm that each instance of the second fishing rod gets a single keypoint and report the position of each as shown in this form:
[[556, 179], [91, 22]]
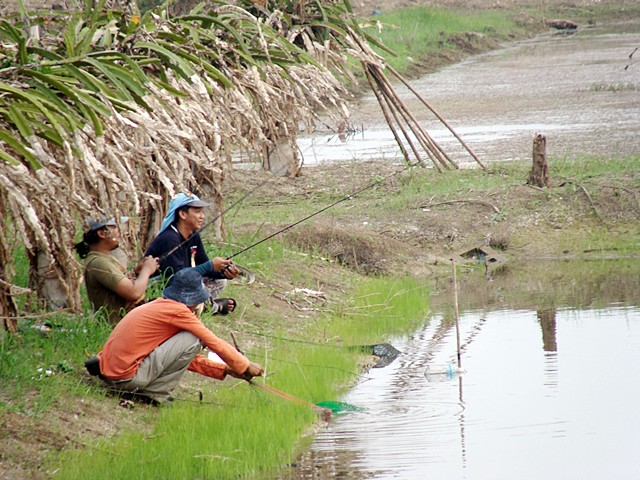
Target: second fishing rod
[[324, 209], [292, 225]]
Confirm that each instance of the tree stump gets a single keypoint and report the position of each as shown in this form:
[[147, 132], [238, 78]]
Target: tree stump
[[539, 176]]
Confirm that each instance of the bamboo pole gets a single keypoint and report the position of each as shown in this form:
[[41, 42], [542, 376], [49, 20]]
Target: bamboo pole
[[416, 152], [434, 160], [410, 118], [323, 412], [455, 312], [444, 122], [423, 137], [386, 114]]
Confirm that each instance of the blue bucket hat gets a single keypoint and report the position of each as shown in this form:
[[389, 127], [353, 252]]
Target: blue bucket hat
[[187, 287]]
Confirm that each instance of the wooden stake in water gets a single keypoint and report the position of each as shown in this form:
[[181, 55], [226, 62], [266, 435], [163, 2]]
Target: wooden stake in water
[[455, 311]]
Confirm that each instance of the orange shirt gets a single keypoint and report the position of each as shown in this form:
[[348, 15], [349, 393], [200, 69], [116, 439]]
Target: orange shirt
[[147, 326]]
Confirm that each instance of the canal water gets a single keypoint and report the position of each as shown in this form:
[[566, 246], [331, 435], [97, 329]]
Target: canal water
[[549, 387], [581, 91], [550, 350]]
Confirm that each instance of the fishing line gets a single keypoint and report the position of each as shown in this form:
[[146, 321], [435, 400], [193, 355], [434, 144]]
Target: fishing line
[[361, 348], [240, 200], [214, 219], [324, 366], [251, 192], [303, 342], [343, 199]]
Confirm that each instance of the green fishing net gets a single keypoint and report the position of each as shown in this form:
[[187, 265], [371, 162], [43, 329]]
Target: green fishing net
[[339, 407]]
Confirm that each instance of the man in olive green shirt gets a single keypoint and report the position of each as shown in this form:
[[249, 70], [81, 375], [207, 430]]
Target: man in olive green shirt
[[108, 284]]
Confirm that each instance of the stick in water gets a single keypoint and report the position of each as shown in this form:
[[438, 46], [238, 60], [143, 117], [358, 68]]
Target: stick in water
[[455, 311]]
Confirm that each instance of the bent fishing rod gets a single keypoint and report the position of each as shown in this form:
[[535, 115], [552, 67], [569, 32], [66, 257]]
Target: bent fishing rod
[[214, 219], [251, 192], [343, 199]]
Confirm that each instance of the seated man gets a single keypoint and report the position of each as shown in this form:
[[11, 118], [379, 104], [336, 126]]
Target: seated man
[[109, 286], [151, 348], [178, 245]]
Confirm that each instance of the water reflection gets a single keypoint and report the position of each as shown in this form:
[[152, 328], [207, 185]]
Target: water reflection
[[548, 391], [547, 319]]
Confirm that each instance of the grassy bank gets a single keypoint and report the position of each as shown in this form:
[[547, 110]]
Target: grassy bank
[[424, 38], [591, 207], [311, 298], [237, 431], [306, 305]]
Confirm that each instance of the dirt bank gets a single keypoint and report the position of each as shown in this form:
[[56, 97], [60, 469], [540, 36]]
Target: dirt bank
[[518, 221]]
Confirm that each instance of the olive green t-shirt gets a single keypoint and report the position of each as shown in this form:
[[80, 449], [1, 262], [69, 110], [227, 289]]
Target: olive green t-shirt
[[102, 272]]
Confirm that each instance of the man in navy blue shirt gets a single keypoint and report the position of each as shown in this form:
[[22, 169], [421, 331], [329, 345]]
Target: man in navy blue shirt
[[178, 245]]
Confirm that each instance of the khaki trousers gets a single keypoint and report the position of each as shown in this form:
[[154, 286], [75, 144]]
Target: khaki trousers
[[161, 371]]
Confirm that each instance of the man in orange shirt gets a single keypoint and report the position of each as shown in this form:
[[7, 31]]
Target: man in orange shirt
[[153, 345]]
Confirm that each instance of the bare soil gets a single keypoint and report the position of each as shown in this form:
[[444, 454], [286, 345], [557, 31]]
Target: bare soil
[[519, 222], [419, 240]]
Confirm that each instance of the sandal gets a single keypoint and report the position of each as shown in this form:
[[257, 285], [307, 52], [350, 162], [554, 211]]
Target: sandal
[[225, 306]]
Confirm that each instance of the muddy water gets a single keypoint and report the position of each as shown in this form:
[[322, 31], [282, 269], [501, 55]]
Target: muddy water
[[549, 388], [551, 350], [581, 91]]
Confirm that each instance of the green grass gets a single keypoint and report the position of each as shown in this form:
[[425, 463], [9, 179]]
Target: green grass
[[240, 432], [420, 32], [424, 33], [38, 368], [199, 441], [381, 307], [594, 168]]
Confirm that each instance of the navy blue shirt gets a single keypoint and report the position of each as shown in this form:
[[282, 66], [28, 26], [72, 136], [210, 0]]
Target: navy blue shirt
[[180, 258]]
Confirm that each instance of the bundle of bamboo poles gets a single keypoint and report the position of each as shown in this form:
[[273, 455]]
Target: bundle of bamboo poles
[[403, 124], [401, 119]]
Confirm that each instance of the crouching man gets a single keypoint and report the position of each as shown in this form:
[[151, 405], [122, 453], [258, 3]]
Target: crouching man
[[153, 345]]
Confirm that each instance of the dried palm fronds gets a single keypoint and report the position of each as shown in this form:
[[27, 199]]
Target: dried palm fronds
[[104, 111], [109, 114]]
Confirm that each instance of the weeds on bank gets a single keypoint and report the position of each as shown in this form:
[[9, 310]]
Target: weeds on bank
[[419, 32], [44, 362], [595, 168], [413, 187]]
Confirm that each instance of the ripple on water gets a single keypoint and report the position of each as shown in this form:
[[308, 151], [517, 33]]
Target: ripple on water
[[521, 393]]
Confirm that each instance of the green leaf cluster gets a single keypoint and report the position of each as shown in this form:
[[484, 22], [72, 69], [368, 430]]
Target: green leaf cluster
[[83, 67]]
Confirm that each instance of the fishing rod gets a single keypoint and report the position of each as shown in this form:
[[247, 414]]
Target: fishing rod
[[214, 219], [343, 199], [251, 192], [324, 409]]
